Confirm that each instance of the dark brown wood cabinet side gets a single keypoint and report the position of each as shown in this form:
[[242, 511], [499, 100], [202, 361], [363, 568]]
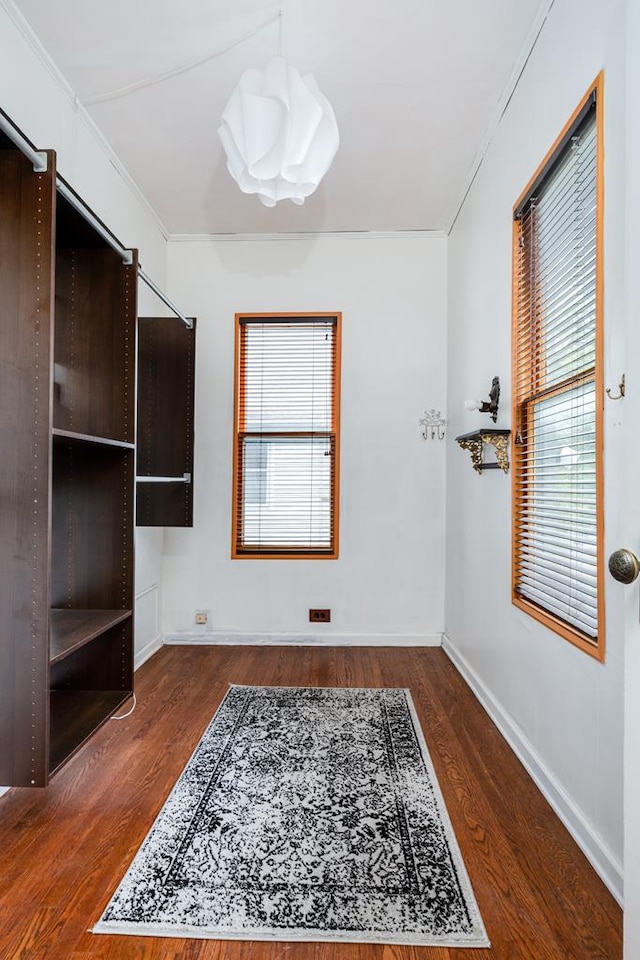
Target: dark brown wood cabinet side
[[27, 214], [165, 433]]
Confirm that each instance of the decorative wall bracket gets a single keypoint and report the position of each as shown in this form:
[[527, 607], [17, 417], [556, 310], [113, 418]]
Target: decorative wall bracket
[[476, 441]]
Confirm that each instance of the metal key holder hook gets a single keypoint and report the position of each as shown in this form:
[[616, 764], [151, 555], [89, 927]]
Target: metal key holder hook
[[621, 388]]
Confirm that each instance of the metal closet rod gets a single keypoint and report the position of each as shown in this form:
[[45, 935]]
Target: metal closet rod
[[123, 253], [37, 157], [188, 322], [40, 161]]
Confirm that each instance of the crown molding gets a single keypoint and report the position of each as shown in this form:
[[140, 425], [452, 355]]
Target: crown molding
[[311, 235]]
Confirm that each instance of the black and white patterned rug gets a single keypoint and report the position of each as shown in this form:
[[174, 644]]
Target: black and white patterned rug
[[304, 814]]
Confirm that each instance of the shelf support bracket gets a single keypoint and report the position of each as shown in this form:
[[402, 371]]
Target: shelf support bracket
[[476, 442]]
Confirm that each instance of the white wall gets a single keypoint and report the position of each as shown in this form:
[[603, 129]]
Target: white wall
[[388, 582], [561, 709], [40, 103]]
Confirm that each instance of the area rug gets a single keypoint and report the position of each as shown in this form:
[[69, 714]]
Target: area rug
[[304, 814]]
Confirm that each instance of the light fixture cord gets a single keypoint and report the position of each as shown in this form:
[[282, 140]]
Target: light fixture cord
[[161, 77]]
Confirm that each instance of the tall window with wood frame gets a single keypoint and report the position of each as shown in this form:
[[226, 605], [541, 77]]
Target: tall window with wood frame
[[286, 447], [557, 391]]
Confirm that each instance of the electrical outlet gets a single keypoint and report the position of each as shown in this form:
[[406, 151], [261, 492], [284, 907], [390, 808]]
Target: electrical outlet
[[201, 617], [320, 616]]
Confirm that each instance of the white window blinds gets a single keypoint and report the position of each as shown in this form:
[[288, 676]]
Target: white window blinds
[[285, 485], [557, 442]]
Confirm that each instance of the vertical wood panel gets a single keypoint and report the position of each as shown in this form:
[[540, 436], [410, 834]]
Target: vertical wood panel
[[26, 297], [165, 434]]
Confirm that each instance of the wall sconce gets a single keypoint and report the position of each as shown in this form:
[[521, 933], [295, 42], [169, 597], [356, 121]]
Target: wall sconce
[[489, 406], [433, 424]]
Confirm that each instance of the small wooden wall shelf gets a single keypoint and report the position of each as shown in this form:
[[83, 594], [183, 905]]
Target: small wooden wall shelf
[[476, 441]]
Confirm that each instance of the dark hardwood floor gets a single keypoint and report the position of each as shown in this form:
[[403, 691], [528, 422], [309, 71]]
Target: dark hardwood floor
[[63, 850]]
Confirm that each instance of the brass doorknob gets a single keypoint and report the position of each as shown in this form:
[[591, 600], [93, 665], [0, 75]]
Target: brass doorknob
[[624, 566]]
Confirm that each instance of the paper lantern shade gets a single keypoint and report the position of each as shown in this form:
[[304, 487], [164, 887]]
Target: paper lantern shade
[[279, 133]]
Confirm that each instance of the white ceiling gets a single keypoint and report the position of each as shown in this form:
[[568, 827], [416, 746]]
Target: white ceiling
[[414, 85]]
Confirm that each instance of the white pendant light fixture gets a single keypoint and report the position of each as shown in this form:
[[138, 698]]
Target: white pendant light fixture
[[279, 133]]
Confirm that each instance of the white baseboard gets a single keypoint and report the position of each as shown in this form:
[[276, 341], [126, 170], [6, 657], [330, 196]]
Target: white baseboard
[[602, 859], [4, 790], [151, 647], [314, 640]]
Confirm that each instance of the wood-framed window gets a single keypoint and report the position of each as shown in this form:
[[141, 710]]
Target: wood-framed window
[[286, 438], [558, 385]]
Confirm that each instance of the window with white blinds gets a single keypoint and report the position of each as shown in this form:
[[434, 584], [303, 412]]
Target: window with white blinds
[[285, 486], [558, 387]]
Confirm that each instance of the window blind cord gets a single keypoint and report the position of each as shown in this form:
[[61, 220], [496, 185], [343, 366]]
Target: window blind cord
[[581, 256], [313, 427], [573, 530], [262, 360], [184, 68]]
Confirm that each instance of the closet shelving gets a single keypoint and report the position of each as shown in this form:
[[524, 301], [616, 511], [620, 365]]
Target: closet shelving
[[68, 330], [67, 476]]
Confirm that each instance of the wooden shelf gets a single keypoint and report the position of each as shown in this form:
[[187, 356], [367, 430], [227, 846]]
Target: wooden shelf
[[72, 629], [75, 715], [86, 438]]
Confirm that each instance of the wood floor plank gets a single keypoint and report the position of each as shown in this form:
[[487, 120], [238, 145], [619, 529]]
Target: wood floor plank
[[63, 850]]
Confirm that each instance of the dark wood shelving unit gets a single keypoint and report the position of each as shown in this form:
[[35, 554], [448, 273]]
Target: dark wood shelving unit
[[67, 425]]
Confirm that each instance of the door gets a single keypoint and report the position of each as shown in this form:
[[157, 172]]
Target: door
[[631, 494]]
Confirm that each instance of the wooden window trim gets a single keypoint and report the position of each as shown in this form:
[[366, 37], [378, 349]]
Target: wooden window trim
[[594, 648], [237, 554]]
